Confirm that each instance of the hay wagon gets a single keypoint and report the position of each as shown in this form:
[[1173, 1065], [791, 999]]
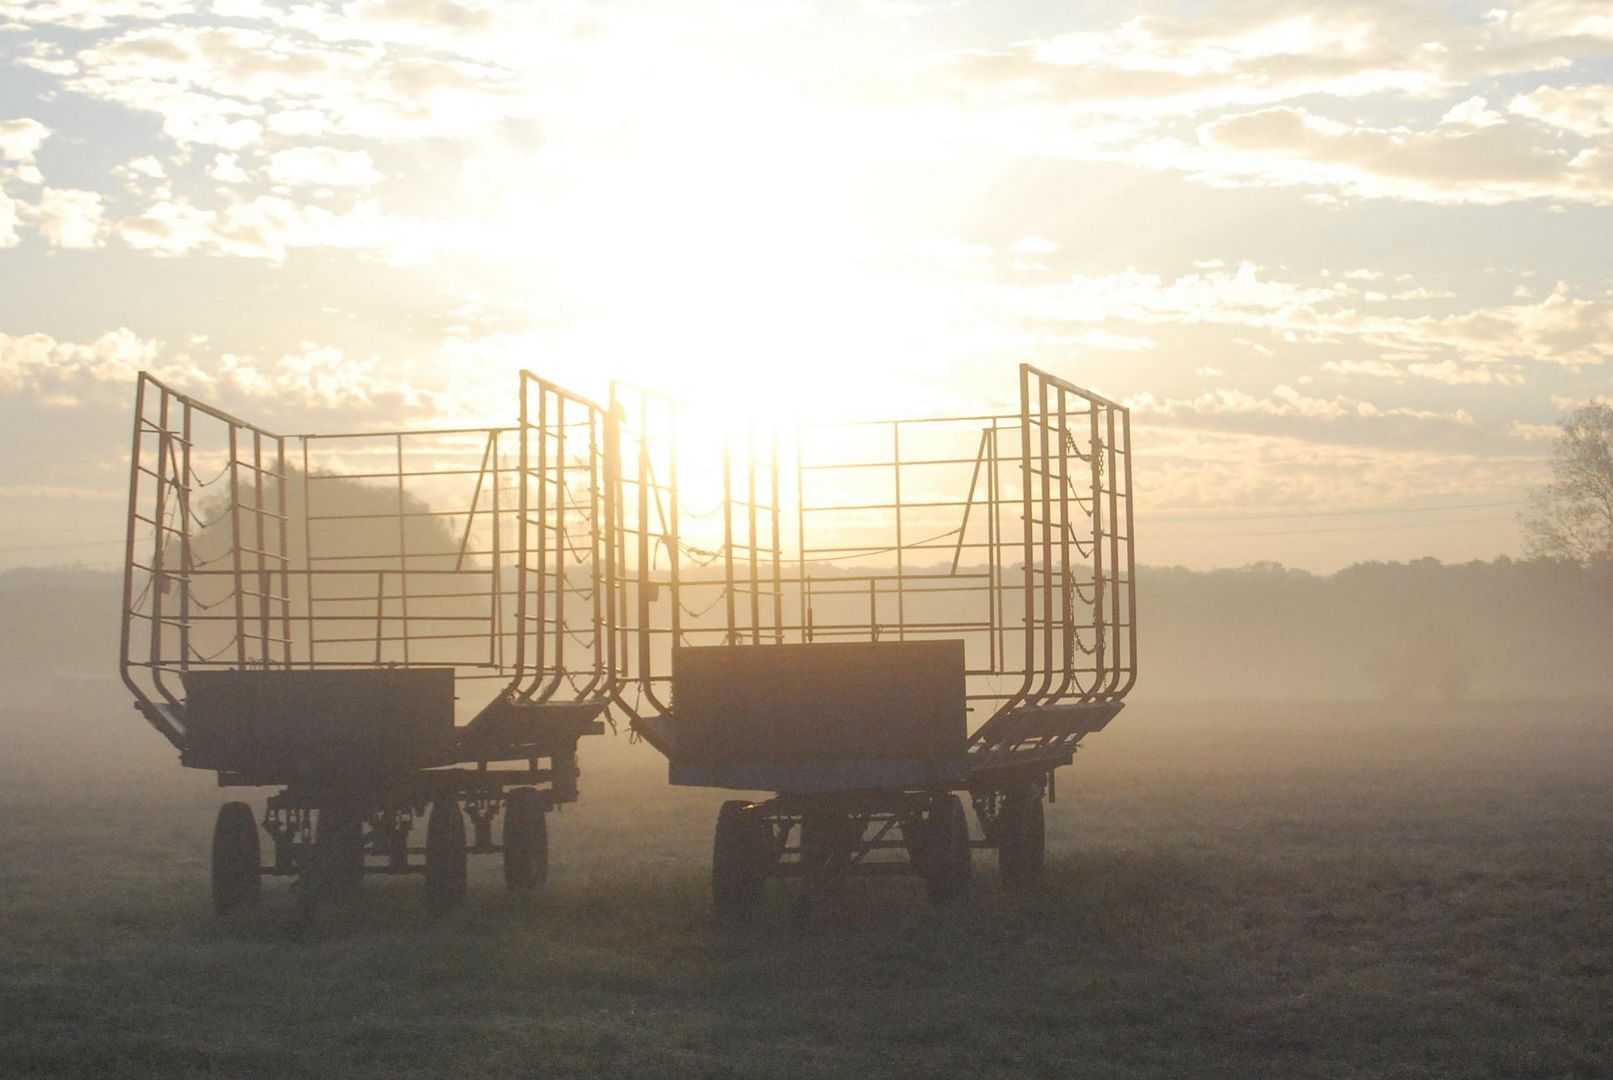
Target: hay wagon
[[387, 627], [872, 623]]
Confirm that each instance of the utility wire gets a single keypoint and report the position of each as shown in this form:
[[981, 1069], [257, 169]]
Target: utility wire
[[1151, 536], [1341, 513]]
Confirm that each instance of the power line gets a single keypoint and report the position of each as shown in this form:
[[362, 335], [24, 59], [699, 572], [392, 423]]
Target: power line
[[57, 530], [58, 547], [1313, 532], [1343, 513]]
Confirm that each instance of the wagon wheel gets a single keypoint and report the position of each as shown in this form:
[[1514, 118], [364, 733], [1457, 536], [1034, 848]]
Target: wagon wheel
[[445, 857], [1022, 843], [526, 841], [742, 858], [237, 881], [945, 862]]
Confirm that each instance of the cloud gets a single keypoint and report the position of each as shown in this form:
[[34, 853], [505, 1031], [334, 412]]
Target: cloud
[[91, 14], [223, 85], [45, 367], [1448, 372], [314, 376], [323, 166], [1260, 54], [1108, 339], [1286, 402], [226, 169], [1585, 110], [1560, 20], [436, 14], [69, 218], [265, 227], [1238, 295], [324, 377], [1034, 245], [1505, 344], [1245, 57], [1193, 468], [21, 138], [299, 122], [1243, 96], [1474, 112], [8, 222], [1458, 163]]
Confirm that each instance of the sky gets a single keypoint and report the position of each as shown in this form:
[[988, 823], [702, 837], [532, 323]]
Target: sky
[[1347, 263]]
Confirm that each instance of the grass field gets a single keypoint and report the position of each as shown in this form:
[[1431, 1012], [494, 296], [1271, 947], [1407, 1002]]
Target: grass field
[[1338, 891]]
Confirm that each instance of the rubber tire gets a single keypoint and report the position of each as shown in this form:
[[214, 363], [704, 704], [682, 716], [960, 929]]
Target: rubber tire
[[445, 857], [526, 841], [947, 862], [1022, 843], [237, 859], [741, 860]]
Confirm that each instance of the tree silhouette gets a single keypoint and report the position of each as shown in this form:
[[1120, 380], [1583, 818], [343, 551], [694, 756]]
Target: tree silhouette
[[1572, 517], [353, 551]]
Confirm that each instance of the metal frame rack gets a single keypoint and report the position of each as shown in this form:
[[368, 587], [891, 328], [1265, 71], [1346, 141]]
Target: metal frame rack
[[298, 610], [1009, 534]]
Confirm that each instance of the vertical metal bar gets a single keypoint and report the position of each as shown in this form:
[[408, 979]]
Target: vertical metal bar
[[186, 555], [1115, 653], [235, 549], [645, 554], [613, 466], [620, 539], [873, 610], [284, 533], [594, 542], [538, 623], [800, 536], [994, 560], [1030, 535], [521, 540], [380, 613], [265, 582], [750, 518], [124, 636], [675, 548], [1067, 583], [1047, 541], [1131, 563], [562, 507], [1099, 654], [309, 577], [806, 609], [403, 552], [158, 570], [729, 638], [896, 467], [778, 550], [495, 642]]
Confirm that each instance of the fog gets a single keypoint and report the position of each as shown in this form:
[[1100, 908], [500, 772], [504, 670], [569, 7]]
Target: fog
[[1503, 630]]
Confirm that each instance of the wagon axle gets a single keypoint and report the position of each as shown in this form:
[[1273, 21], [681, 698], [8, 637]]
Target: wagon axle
[[328, 845], [824, 840]]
